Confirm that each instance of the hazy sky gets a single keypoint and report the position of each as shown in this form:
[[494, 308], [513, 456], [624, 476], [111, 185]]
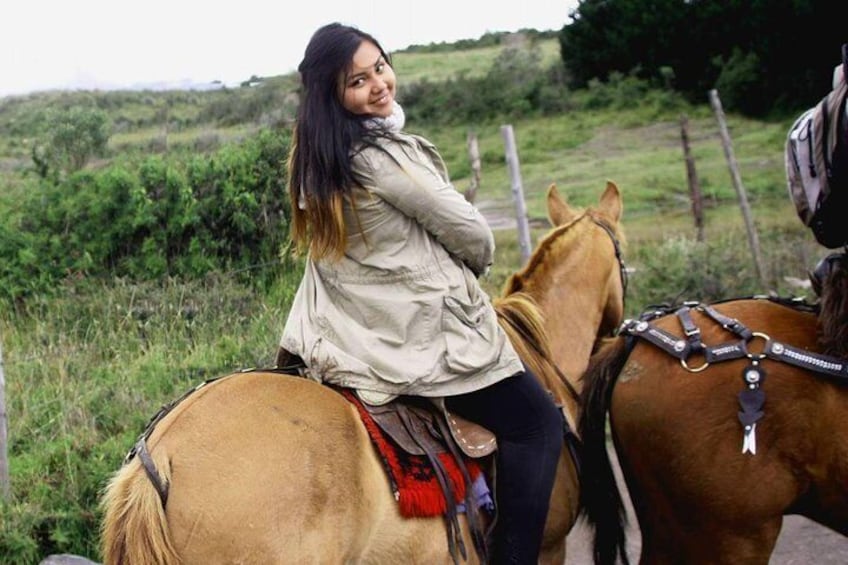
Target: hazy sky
[[117, 43]]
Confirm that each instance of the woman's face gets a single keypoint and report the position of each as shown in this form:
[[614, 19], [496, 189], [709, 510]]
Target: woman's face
[[369, 86]]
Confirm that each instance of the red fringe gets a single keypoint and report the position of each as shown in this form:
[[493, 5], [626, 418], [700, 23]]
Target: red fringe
[[419, 493]]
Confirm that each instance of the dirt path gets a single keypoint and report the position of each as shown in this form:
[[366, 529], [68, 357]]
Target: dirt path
[[801, 542]]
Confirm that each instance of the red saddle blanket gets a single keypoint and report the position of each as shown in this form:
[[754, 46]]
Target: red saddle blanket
[[412, 477]]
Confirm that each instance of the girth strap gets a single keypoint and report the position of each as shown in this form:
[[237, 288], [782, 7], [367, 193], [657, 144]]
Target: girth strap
[[478, 536]]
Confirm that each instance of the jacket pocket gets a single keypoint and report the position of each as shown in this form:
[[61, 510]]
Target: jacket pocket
[[471, 315], [472, 341]]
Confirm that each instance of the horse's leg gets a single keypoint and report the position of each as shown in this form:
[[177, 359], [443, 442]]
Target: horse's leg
[[707, 541], [826, 500], [562, 511], [691, 529], [697, 497]]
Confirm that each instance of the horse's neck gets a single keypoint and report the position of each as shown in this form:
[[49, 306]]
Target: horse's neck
[[573, 307], [573, 331]]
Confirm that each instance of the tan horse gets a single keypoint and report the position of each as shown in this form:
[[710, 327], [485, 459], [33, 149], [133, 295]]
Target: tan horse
[[704, 490], [266, 468]]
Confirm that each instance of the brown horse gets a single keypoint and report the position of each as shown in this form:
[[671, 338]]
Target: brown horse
[[711, 470], [267, 468]]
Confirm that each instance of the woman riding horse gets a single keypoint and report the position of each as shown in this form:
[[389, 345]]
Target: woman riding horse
[[267, 468]]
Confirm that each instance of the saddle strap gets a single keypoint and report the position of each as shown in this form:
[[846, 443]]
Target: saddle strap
[[816, 362], [693, 332], [161, 487], [731, 324], [454, 532], [478, 536], [682, 348]]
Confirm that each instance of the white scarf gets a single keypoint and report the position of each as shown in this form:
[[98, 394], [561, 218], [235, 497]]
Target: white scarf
[[393, 122]]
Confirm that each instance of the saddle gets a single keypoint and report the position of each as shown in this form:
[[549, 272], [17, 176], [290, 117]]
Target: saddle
[[424, 427], [420, 425]]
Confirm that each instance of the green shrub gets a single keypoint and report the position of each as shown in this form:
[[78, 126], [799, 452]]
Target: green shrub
[[158, 216], [681, 268], [69, 139]]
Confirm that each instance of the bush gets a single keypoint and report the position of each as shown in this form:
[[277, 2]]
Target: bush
[[70, 138], [161, 216], [739, 82]]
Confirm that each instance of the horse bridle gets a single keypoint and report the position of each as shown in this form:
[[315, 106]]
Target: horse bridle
[[621, 267]]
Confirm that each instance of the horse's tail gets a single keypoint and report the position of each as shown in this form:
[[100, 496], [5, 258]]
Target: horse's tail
[[134, 530], [600, 500]]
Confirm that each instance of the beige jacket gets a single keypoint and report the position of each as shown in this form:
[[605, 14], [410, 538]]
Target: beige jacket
[[402, 312]]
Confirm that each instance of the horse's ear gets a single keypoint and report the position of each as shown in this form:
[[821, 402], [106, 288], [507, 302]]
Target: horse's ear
[[610, 201], [559, 212]]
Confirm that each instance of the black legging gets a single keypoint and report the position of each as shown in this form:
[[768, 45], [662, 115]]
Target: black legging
[[528, 427]]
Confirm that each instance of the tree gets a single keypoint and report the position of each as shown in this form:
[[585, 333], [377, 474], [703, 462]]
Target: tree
[[767, 55]]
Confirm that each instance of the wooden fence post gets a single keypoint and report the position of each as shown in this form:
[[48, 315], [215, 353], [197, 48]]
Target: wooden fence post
[[753, 240], [474, 158], [692, 179], [4, 452], [517, 192]]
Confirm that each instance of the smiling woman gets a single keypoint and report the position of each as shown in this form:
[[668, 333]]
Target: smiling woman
[[390, 302], [369, 87]]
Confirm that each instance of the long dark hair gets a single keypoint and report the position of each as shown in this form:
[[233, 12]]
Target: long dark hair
[[319, 167]]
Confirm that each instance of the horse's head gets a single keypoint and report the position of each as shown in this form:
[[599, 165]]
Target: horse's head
[[607, 216], [576, 275]]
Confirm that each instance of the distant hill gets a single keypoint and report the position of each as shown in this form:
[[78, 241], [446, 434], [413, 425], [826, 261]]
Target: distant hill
[[202, 115]]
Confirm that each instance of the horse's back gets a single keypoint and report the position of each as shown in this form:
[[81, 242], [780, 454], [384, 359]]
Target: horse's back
[[270, 468], [680, 440]]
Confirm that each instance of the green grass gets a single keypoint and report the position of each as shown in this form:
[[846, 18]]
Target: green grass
[[580, 152], [470, 63], [187, 137]]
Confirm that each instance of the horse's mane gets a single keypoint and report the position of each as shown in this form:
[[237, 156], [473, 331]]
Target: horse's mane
[[548, 244], [522, 320], [833, 317], [544, 248]]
